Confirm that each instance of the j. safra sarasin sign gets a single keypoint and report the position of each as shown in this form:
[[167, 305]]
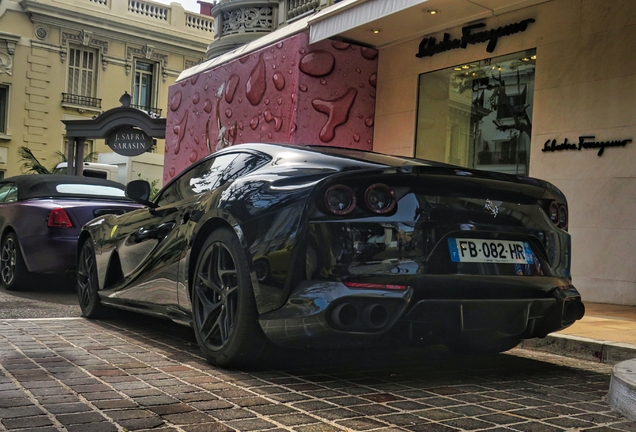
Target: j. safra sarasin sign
[[129, 141]]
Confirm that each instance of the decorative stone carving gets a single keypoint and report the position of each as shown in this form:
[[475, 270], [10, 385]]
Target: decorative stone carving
[[8, 42], [6, 64], [84, 38], [190, 63], [247, 19], [147, 52], [41, 32]]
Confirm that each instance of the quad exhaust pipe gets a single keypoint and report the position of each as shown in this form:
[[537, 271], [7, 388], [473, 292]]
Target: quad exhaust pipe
[[372, 317]]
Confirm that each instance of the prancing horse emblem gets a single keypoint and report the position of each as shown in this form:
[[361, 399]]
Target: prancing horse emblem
[[491, 208]]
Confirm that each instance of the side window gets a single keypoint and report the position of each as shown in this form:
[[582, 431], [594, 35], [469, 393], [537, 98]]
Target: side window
[[199, 178], [8, 193], [210, 175]]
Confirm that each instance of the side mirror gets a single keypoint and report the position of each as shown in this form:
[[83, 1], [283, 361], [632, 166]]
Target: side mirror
[[139, 191]]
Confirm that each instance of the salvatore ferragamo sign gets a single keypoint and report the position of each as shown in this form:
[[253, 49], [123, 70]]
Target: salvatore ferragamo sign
[[429, 45], [585, 142]]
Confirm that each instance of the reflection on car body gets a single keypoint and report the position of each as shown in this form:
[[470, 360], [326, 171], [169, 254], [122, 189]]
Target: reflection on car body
[[325, 247]]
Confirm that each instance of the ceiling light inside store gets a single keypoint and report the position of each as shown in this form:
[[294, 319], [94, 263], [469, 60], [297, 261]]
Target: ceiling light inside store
[[432, 11], [534, 57], [376, 31]]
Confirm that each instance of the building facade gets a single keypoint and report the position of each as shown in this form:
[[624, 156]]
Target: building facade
[[73, 59], [545, 88]]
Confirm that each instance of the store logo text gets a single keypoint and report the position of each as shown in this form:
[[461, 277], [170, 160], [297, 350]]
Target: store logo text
[[584, 143], [430, 46]]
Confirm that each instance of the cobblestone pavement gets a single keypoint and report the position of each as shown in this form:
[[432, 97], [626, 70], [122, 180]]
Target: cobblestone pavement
[[142, 374]]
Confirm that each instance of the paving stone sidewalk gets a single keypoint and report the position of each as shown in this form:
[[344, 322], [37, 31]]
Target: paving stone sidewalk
[[80, 375]]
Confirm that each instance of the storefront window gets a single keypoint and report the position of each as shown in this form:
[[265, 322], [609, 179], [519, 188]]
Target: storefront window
[[479, 114]]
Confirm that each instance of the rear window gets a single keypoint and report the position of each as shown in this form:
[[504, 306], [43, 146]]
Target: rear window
[[372, 157], [85, 189]]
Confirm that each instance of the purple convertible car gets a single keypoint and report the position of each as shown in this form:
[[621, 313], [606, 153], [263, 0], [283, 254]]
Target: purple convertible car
[[40, 219]]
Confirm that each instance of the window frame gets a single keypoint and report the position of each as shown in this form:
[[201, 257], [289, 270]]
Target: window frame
[[4, 109], [71, 68], [152, 91]]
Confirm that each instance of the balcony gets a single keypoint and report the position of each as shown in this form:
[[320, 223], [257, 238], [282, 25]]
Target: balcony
[[152, 111], [299, 8], [167, 20], [81, 103]]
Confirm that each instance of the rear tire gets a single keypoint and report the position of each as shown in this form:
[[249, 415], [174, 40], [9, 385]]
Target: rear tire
[[224, 311], [87, 284], [13, 271]]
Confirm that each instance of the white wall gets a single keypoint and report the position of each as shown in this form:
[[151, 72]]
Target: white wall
[[585, 85]]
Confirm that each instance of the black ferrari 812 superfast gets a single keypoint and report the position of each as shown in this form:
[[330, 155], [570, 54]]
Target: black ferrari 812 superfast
[[307, 246]]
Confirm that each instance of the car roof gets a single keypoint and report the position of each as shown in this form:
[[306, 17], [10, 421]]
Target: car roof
[[45, 185], [333, 156]]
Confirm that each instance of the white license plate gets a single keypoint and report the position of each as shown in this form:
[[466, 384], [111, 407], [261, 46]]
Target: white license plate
[[490, 251]]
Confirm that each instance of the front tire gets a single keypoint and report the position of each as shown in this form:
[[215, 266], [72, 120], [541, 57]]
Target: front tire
[[87, 284], [223, 306], [13, 271]]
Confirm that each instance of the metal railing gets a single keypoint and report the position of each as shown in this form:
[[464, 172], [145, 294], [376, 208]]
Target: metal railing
[[296, 8], [86, 101], [151, 110]]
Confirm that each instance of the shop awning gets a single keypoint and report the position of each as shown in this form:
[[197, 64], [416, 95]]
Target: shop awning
[[400, 20]]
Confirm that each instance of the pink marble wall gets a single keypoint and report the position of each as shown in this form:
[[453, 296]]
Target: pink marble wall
[[288, 93]]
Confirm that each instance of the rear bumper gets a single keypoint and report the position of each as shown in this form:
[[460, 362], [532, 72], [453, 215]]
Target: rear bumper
[[49, 254], [329, 314]]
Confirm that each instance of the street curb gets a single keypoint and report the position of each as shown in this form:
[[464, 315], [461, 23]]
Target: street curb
[[582, 348], [622, 391]]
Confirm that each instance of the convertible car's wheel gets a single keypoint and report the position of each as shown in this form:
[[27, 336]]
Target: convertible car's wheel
[[13, 271], [223, 306], [87, 286]]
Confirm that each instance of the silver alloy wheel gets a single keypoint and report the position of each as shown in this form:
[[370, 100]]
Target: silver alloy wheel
[[8, 261], [85, 275], [216, 291]]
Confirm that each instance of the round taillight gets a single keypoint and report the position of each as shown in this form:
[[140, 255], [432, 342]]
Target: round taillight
[[554, 212], [563, 217], [379, 198], [340, 200]]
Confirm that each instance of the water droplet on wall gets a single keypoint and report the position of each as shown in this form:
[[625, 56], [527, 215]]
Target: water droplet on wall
[[373, 80], [279, 81], [317, 63], [340, 45], [254, 122], [368, 53], [175, 103], [230, 90], [256, 84], [337, 113]]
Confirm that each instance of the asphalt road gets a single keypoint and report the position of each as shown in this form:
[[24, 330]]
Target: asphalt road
[[48, 297], [133, 372]]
